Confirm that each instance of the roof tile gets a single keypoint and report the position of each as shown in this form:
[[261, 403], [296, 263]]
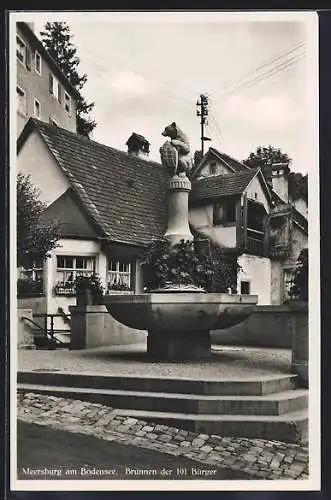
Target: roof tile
[[221, 185], [124, 194]]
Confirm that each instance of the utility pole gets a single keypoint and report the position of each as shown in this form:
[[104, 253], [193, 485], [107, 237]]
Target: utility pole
[[202, 111]]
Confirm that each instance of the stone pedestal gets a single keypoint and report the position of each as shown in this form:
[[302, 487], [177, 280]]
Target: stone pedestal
[[178, 346], [300, 342], [178, 226], [25, 338]]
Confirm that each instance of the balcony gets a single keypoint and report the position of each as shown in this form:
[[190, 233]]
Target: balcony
[[254, 246], [280, 251], [254, 242]]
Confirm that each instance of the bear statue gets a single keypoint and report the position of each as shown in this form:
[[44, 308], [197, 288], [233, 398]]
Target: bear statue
[[179, 141]]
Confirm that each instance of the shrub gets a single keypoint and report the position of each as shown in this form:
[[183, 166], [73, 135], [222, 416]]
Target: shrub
[[188, 263], [91, 283], [299, 288]]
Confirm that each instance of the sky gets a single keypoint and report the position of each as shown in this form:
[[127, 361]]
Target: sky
[[147, 70]]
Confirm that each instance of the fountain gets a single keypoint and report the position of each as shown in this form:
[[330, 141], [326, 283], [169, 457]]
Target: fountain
[[179, 318]]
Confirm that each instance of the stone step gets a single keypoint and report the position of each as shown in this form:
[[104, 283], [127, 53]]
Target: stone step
[[255, 386], [269, 404], [291, 427]]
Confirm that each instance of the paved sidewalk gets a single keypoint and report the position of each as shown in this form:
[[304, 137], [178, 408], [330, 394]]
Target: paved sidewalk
[[260, 458]]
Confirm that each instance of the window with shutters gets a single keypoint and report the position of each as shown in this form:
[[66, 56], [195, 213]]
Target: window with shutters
[[20, 50], [37, 63], [21, 101]]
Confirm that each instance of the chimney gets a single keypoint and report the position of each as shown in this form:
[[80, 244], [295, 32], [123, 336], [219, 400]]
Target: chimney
[[138, 146], [279, 174]]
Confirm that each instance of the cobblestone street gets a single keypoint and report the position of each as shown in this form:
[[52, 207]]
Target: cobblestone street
[[257, 457]]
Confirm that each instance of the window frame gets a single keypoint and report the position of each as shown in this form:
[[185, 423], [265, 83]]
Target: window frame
[[212, 166], [65, 286], [26, 101], [67, 96], [225, 221], [115, 276], [74, 269], [55, 92], [286, 284], [24, 45], [35, 100], [35, 62], [249, 287]]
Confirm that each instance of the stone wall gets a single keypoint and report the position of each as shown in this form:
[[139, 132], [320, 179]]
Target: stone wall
[[283, 327], [24, 335], [93, 326], [267, 326], [37, 305]]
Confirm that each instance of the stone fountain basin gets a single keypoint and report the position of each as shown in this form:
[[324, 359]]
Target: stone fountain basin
[[185, 311]]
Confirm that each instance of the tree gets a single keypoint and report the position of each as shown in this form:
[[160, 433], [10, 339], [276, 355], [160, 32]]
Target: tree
[[35, 238], [298, 186], [264, 157], [299, 288], [57, 40]]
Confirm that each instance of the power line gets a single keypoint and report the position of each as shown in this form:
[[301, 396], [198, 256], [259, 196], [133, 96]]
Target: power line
[[170, 85], [281, 67], [267, 62]]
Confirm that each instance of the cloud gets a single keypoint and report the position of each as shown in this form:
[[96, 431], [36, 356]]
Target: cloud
[[267, 112], [130, 84]]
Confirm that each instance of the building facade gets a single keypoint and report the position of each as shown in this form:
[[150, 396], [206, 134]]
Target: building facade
[[42, 91], [112, 203], [241, 209]]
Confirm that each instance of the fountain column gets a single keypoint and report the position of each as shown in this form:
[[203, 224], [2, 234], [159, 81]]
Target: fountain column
[[178, 226]]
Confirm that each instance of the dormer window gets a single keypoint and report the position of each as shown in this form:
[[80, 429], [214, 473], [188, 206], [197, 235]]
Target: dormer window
[[213, 168]]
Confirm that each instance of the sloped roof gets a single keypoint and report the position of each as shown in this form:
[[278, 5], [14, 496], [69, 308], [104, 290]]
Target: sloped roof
[[125, 196], [221, 185], [233, 164]]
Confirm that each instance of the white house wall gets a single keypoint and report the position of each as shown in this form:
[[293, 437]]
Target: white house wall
[[36, 160], [255, 192], [299, 241], [70, 247], [256, 270], [202, 220]]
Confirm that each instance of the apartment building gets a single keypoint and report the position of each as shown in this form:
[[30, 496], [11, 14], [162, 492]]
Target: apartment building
[[42, 90]]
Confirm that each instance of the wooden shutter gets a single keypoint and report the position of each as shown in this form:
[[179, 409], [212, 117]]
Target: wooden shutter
[[27, 58], [239, 224], [51, 83], [266, 226], [244, 222]]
